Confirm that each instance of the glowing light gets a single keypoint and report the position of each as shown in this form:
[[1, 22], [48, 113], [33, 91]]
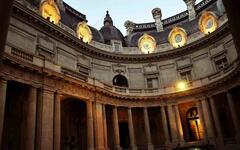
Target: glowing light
[[177, 37], [50, 11], [182, 86], [84, 32], [208, 22], [147, 44]]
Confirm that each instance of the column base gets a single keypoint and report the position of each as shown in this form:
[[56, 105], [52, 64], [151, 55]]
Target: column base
[[150, 146], [118, 147], [91, 148], [100, 148], [134, 148]]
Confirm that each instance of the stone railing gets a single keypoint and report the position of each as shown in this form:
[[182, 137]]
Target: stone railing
[[171, 89], [166, 90]]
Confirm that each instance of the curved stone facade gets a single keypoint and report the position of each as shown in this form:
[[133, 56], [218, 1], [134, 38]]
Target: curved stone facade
[[62, 93]]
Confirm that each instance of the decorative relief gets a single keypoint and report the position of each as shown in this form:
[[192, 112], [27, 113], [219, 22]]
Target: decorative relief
[[84, 61], [21, 39], [135, 70], [66, 59], [118, 68], [147, 44], [208, 22], [217, 49], [101, 67], [45, 47], [49, 10], [177, 37], [84, 32], [184, 62], [151, 68], [167, 66]]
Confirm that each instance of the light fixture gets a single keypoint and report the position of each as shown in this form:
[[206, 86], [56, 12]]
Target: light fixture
[[182, 85]]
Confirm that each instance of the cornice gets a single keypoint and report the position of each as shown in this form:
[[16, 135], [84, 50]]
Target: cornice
[[56, 32]]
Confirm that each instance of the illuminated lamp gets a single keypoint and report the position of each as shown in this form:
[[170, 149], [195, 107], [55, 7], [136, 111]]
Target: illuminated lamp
[[84, 32], [147, 44], [208, 22], [177, 37], [182, 85], [49, 10]]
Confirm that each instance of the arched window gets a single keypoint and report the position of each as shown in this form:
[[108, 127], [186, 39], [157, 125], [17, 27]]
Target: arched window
[[194, 126], [120, 80]]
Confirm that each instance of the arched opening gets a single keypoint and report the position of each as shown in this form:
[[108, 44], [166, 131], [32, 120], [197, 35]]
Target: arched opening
[[73, 125], [124, 135], [15, 116], [194, 126], [120, 80]]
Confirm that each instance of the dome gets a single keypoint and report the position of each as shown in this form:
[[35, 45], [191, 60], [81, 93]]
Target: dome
[[97, 36], [109, 31]]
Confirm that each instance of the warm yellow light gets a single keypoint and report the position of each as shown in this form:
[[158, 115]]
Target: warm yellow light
[[50, 11], [147, 44], [84, 32], [182, 86], [208, 22], [177, 37]]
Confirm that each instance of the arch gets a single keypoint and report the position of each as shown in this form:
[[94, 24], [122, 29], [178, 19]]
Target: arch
[[193, 124], [120, 80], [73, 124]]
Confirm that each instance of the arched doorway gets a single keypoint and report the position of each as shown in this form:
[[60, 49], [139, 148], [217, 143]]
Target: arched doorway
[[15, 116], [73, 125], [194, 126], [120, 80]]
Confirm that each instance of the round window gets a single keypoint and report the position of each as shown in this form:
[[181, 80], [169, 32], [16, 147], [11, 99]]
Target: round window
[[178, 38]]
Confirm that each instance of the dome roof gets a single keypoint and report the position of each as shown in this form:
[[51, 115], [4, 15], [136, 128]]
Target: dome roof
[[97, 36], [109, 31]]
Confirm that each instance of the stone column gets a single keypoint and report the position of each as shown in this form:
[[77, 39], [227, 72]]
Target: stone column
[[3, 92], [131, 130], [90, 132], [30, 126], [179, 124], [218, 127], [165, 126], [45, 120], [116, 128], [173, 124], [234, 116], [147, 129], [208, 119], [99, 130], [57, 122], [202, 122], [105, 128]]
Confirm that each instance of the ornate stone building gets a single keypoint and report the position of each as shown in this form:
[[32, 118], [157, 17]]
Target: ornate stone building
[[169, 84]]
